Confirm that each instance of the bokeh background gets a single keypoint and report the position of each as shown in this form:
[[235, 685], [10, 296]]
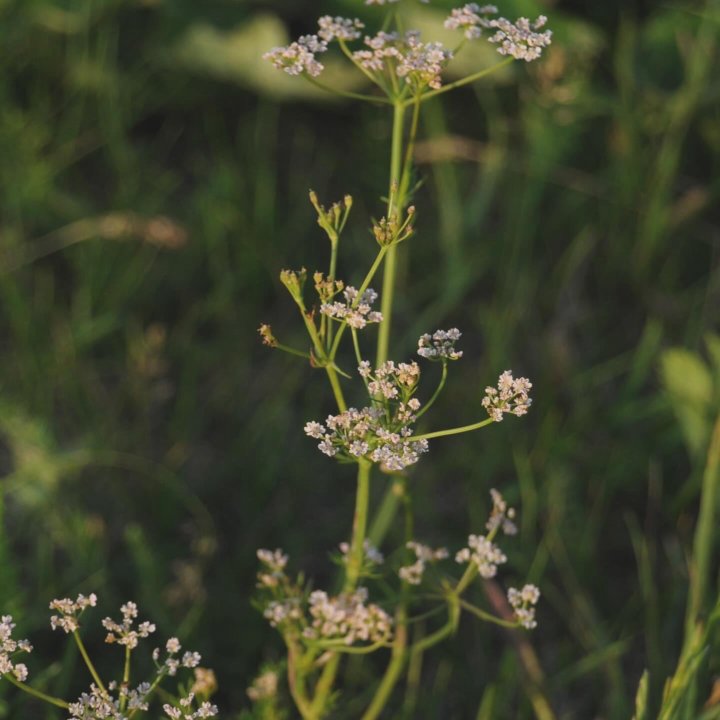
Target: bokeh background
[[154, 175]]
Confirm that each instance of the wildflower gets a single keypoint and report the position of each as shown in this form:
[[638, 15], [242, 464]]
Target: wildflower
[[520, 39], [274, 565], [413, 574], [95, 704], [185, 711], [298, 57], [370, 553], [469, 18], [392, 381], [483, 553], [205, 683], [8, 647], [70, 611], [339, 28], [523, 603], [267, 335], [356, 311], [347, 617], [440, 345], [501, 516], [511, 396], [123, 634], [264, 686], [279, 612]]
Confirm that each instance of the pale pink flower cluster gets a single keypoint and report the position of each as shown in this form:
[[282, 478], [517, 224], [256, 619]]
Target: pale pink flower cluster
[[521, 39], [184, 710], [419, 64], [70, 611], [264, 686], [8, 647], [371, 555], [486, 555], [523, 603], [469, 19], [95, 704], [511, 396], [413, 574], [440, 345], [279, 612], [299, 56], [392, 381], [171, 664], [274, 563], [347, 617], [501, 516], [356, 311], [124, 634], [338, 28]]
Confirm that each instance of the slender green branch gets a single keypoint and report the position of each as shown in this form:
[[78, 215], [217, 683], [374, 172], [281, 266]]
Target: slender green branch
[[332, 374], [292, 351], [296, 684], [340, 646], [151, 690], [445, 631], [356, 552], [88, 662], [356, 346], [346, 93], [57, 702], [486, 615], [437, 392], [465, 81], [372, 78], [451, 431]]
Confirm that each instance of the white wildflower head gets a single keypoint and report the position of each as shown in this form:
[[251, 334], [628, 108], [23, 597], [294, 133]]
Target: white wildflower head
[[483, 553], [184, 709], [272, 566], [511, 396], [520, 39], [413, 574], [501, 516], [125, 633], [356, 311], [440, 345], [299, 57], [284, 612], [406, 58], [338, 28], [523, 604], [69, 611], [9, 647], [264, 686], [371, 555], [347, 617], [470, 19], [97, 704]]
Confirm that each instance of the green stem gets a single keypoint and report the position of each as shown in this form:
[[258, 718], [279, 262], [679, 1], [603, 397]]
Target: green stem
[[295, 683], [486, 615], [451, 431], [88, 662], [35, 693], [390, 270], [465, 81], [345, 93], [437, 392], [126, 678], [337, 390], [445, 631], [293, 351]]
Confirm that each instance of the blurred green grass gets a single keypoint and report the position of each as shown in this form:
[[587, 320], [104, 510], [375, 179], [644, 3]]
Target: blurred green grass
[[153, 179]]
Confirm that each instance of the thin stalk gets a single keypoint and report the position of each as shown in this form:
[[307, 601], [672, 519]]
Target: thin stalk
[[57, 702], [126, 678], [292, 351], [465, 81], [386, 512], [346, 93], [372, 78], [356, 345], [331, 276], [390, 270], [88, 662], [297, 689], [443, 632], [451, 431], [488, 617], [407, 163], [150, 691], [437, 392], [337, 390], [704, 536]]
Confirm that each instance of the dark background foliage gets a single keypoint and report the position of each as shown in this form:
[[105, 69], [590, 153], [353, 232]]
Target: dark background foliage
[[154, 176]]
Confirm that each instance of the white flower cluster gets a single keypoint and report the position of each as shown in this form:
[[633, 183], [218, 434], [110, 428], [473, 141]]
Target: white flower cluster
[[264, 686], [367, 433], [69, 611], [347, 617], [413, 574], [9, 646], [486, 555], [185, 712], [356, 311], [440, 345], [124, 634], [501, 516], [95, 705], [279, 612], [274, 567], [511, 396], [521, 39], [523, 603], [406, 56], [299, 56], [371, 554], [469, 18], [171, 663], [338, 28], [392, 382]]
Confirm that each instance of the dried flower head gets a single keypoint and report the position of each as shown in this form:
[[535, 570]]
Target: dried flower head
[[8, 647], [523, 603], [267, 335], [511, 396]]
